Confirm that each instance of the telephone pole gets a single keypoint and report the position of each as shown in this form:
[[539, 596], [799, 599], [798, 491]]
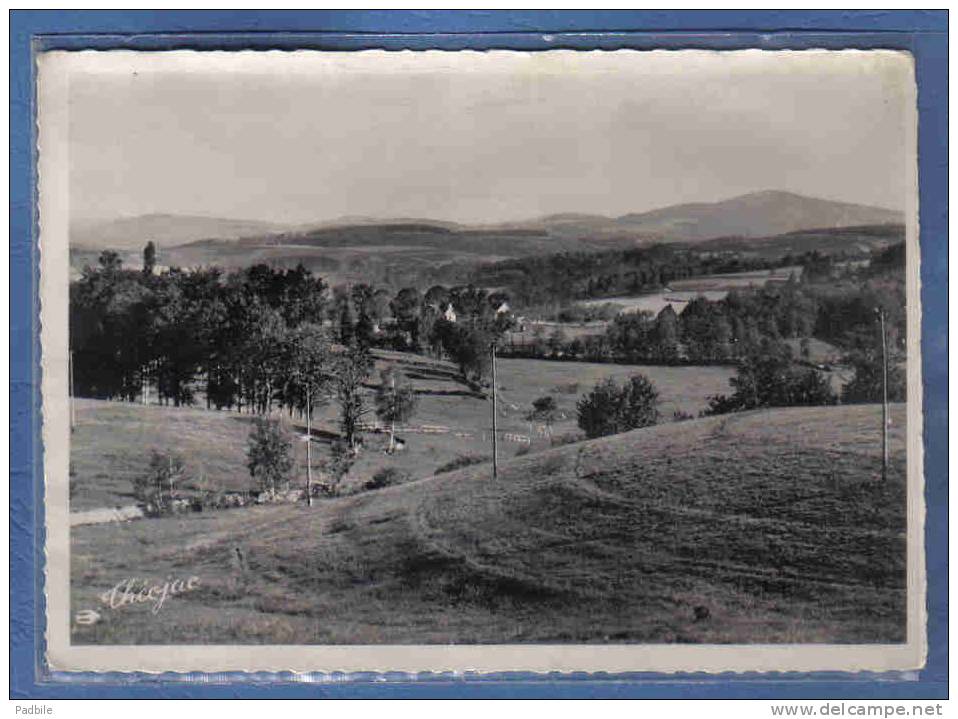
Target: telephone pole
[[495, 434], [309, 453], [884, 402]]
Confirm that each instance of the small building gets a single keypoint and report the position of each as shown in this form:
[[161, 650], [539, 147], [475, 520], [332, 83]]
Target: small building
[[450, 313], [502, 308]]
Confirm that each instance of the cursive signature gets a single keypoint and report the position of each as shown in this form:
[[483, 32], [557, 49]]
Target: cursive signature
[[140, 591]]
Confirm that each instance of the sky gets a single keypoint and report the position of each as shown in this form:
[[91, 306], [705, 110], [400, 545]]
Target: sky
[[480, 137]]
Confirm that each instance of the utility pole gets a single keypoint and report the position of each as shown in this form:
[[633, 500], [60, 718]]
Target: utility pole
[[884, 403], [309, 453], [495, 434]]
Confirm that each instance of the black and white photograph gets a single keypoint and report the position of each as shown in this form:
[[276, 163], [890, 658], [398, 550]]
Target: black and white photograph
[[481, 360]]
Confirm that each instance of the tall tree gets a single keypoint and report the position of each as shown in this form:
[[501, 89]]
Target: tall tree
[[666, 334], [149, 258], [269, 454], [352, 368], [407, 308], [867, 384], [307, 367], [395, 401]]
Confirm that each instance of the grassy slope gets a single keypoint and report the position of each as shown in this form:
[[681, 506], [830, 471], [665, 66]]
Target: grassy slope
[[772, 520], [113, 440]]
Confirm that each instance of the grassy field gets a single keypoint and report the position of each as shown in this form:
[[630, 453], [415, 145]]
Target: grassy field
[[713, 287], [736, 280], [680, 388], [113, 440], [767, 526], [655, 302], [571, 330]]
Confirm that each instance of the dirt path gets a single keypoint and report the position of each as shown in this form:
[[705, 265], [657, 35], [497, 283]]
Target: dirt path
[[102, 515]]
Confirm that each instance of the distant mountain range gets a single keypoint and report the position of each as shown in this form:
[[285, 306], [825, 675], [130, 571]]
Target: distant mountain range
[[132, 233], [759, 214], [416, 251]]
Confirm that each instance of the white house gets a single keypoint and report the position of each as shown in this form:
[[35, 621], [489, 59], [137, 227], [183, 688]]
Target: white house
[[450, 313]]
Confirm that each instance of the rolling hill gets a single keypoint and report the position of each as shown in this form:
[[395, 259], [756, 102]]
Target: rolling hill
[[769, 527], [416, 250], [166, 230], [757, 214], [112, 441], [855, 240]]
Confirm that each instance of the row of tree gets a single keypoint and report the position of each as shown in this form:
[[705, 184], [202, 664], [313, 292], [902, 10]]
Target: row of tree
[[766, 377], [749, 321], [257, 338]]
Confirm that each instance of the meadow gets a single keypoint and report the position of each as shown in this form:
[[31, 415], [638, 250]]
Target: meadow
[[112, 441], [769, 526], [712, 287], [655, 302]]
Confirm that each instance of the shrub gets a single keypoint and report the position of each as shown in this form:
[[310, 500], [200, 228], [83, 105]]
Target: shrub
[[269, 454], [680, 416], [463, 460], [568, 388], [337, 465], [866, 386], [387, 477], [610, 408], [568, 438], [544, 404], [544, 409], [767, 377], [156, 487], [395, 401]]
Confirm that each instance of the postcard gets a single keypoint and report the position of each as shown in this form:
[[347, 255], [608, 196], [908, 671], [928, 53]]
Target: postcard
[[457, 361]]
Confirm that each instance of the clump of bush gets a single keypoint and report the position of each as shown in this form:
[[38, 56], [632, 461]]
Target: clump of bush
[[568, 388], [336, 467], [768, 377], [463, 460], [544, 409], [610, 408], [387, 477], [680, 416], [560, 440], [155, 489]]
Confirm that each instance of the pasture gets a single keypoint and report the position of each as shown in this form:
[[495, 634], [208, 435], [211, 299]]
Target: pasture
[[655, 302], [113, 440], [761, 527], [713, 287]]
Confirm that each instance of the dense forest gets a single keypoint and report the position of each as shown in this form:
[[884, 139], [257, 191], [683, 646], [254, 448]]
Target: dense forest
[[252, 338], [563, 277]]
